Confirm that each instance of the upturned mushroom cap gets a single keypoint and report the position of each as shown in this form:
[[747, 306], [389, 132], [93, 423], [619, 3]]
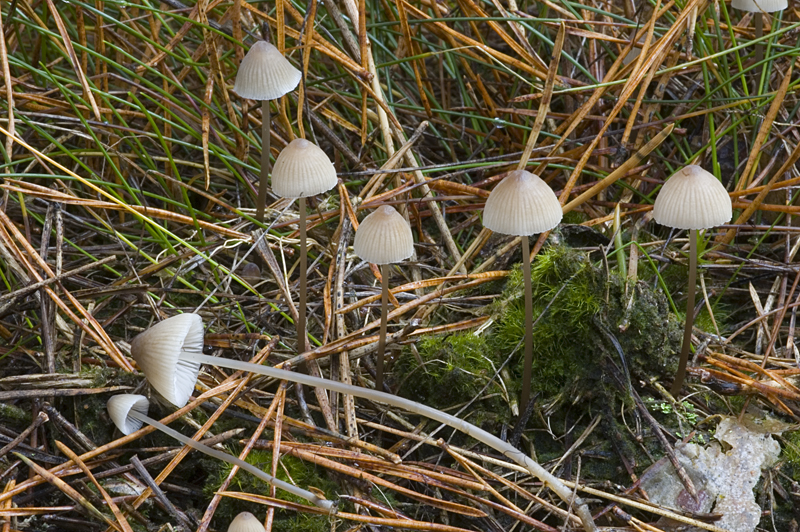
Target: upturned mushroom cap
[[302, 169], [158, 351], [265, 74], [692, 199], [384, 237], [757, 6], [119, 406], [522, 205], [245, 522]]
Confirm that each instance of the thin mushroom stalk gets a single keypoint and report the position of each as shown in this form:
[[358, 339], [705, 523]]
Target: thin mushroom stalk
[[266, 139], [301, 317], [687, 329], [129, 413], [185, 362], [382, 337]]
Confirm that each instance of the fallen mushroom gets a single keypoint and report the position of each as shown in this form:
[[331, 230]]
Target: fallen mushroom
[[129, 413], [177, 363]]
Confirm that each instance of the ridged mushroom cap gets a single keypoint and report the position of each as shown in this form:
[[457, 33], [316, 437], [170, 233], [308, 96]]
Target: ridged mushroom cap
[[302, 169], [119, 407], [158, 352], [692, 199], [522, 205], [245, 522], [384, 237], [265, 74], [756, 6]]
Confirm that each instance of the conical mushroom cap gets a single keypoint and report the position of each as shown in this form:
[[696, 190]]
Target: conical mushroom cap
[[384, 237], [757, 6], [522, 205], [245, 522], [692, 199], [302, 169], [119, 406], [265, 74], [158, 352]]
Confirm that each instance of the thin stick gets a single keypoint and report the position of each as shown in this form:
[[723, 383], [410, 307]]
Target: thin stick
[[382, 337], [301, 317], [687, 331], [265, 146], [528, 360]]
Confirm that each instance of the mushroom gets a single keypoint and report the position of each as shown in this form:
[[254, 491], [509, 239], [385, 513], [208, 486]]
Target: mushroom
[[129, 413], [183, 366], [691, 199], [265, 75], [523, 205], [759, 7], [161, 352], [301, 170], [382, 238], [245, 522]]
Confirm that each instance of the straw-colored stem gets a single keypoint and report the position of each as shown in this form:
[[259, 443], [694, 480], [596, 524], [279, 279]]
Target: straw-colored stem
[[235, 460], [382, 337], [528, 360], [687, 331], [301, 317], [469, 429], [265, 143]]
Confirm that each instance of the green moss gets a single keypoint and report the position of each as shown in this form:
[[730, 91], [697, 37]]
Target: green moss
[[579, 311]]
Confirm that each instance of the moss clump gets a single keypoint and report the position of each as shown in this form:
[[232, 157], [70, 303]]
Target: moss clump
[[454, 368], [580, 312]]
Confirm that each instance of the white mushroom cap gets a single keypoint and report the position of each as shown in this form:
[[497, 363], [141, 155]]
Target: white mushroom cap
[[522, 205], [265, 74], [384, 237], [692, 199], [757, 6], [302, 169], [119, 406], [158, 351], [245, 522]]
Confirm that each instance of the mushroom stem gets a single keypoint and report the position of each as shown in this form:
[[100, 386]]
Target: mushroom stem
[[687, 331], [469, 429], [265, 147], [301, 317], [759, 22], [382, 337], [528, 360], [233, 460]]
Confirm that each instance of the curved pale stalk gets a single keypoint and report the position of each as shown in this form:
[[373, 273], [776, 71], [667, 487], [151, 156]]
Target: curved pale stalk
[[469, 429], [234, 460]]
